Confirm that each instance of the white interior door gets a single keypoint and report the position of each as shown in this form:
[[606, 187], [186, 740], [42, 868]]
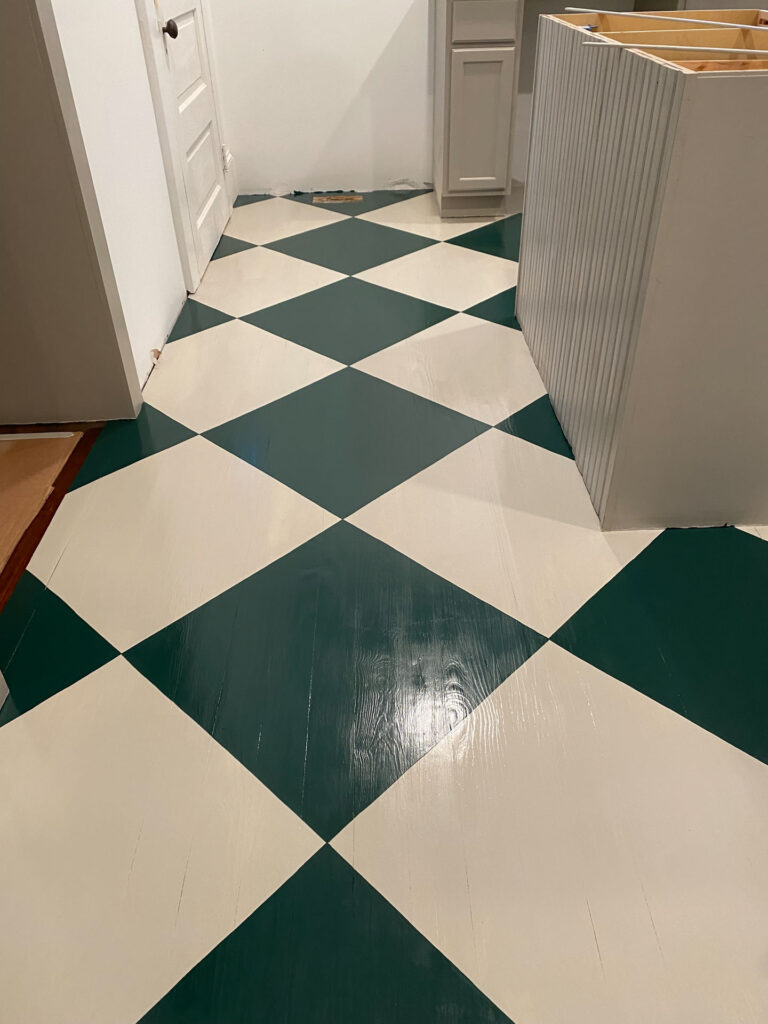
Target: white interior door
[[180, 76]]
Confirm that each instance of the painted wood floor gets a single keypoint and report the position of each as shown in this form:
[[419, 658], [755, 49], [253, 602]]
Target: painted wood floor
[[331, 704]]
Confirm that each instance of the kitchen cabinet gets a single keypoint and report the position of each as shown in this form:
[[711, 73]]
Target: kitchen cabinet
[[476, 69]]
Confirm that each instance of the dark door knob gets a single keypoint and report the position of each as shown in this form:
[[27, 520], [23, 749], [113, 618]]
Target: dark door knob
[[170, 28]]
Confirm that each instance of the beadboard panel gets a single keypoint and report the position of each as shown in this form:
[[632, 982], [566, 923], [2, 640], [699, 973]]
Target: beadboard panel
[[602, 125]]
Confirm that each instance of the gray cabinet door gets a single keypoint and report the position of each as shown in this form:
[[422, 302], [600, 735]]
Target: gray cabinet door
[[480, 120]]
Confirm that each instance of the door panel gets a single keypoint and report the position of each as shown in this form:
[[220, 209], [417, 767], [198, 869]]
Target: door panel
[[195, 131], [482, 97], [203, 159], [185, 55], [208, 225]]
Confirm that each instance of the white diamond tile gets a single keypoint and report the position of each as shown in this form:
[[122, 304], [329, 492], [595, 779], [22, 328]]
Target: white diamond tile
[[221, 373], [135, 550], [421, 216], [478, 368], [756, 531], [132, 844], [446, 274], [257, 278], [276, 218], [582, 854], [511, 523]]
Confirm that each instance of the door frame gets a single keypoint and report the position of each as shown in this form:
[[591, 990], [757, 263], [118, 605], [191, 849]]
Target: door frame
[[153, 41]]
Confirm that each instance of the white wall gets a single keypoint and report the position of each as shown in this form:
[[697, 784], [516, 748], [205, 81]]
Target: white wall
[[105, 63], [324, 94]]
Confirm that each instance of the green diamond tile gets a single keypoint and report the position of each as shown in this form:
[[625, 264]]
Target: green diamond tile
[[500, 238], [346, 439], [685, 624], [350, 319], [326, 948], [500, 309], [44, 647], [246, 200], [538, 424], [194, 317], [229, 246], [334, 669], [370, 200], [350, 246], [123, 442]]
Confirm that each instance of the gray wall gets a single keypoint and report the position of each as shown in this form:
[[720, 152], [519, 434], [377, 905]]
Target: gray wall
[[62, 356]]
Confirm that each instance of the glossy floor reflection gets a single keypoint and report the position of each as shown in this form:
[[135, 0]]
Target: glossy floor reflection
[[330, 702]]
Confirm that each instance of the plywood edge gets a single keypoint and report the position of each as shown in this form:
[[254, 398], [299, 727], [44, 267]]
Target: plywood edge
[[627, 21], [709, 65], [597, 28], [744, 38]]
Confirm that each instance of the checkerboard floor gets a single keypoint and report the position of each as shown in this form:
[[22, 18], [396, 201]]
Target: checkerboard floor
[[331, 704]]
